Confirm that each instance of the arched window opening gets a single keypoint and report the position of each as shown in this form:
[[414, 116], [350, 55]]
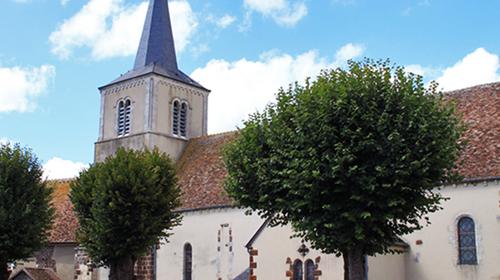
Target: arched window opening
[[124, 118], [309, 267], [179, 124], [188, 261], [183, 118], [467, 241], [126, 123], [297, 270], [176, 118]]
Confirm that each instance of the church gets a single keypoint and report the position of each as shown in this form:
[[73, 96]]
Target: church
[[156, 104]]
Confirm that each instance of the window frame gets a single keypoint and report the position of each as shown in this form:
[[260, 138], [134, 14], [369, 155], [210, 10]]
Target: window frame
[[124, 117], [180, 109], [466, 241], [187, 270]]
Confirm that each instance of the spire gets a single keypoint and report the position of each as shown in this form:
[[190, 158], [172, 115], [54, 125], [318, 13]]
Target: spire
[[156, 52], [157, 42]]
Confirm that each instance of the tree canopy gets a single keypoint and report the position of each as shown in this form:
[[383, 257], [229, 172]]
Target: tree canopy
[[351, 160], [124, 207], [26, 211]]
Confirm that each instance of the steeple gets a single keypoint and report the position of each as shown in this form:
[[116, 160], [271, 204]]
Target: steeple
[[156, 53], [157, 42]]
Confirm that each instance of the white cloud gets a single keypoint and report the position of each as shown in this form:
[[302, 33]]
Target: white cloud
[[242, 87], [347, 52], [282, 11], [20, 86], [64, 2], [111, 28], [57, 168], [184, 23], [3, 140], [406, 12], [223, 21], [478, 67]]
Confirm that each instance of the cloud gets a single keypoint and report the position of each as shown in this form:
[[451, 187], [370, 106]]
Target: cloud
[[57, 168], [242, 87], [223, 21], [406, 12], [111, 28], [19, 87], [3, 140], [282, 11], [476, 68]]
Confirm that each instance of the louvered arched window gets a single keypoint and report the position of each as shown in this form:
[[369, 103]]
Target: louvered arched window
[[179, 125], [124, 118], [188, 261], [467, 241]]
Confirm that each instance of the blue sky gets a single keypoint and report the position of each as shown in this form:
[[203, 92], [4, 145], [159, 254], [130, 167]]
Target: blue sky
[[54, 54]]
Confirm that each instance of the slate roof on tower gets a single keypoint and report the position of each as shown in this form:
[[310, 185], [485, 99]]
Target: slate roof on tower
[[156, 53]]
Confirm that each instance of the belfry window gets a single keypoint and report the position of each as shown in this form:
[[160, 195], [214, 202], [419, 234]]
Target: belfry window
[[467, 241], [124, 110], [188, 261], [179, 125]]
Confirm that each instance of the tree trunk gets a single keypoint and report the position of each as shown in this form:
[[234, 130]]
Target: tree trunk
[[346, 265], [4, 271], [122, 270], [355, 264]]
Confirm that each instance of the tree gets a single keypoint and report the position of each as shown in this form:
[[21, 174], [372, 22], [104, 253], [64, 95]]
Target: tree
[[351, 160], [124, 207], [26, 211]]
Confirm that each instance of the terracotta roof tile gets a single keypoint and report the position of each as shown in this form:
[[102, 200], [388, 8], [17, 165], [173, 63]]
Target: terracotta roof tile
[[200, 172], [66, 221], [480, 106], [37, 274]]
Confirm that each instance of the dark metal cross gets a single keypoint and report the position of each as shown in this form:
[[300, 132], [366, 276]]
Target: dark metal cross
[[303, 250]]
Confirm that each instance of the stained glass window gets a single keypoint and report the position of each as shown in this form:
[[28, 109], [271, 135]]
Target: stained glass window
[[309, 270], [467, 241], [297, 270], [188, 261]]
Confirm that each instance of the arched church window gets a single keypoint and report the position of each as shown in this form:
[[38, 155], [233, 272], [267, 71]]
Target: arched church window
[[297, 270], [124, 118], [309, 267], [188, 261], [179, 125], [467, 241]]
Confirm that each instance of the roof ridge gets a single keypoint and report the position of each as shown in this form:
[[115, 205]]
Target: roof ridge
[[487, 85]]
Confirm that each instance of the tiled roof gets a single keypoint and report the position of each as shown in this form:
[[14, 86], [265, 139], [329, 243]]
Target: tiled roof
[[200, 172], [36, 274], [480, 106], [66, 221]]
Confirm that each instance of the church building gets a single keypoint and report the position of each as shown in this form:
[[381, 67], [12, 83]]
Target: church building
[[156, 104]]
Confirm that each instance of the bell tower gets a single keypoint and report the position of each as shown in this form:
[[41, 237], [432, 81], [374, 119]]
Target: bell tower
[[154, 104]]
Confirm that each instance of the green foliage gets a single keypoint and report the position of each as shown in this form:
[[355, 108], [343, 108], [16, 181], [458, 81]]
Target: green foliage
[[124, 204], [26, 211], [353, 158]]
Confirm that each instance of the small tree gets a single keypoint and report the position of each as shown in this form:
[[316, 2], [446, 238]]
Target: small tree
[[26, 212], [124, 207], [351, 160]]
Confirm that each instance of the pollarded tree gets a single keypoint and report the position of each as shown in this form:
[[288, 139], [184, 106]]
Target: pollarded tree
[[351, 160], [26, 211], [124, 207]]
